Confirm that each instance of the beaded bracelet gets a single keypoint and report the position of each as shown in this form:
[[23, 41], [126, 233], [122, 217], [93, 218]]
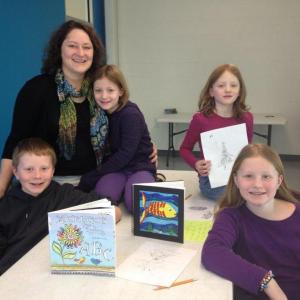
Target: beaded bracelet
[[265, 281]]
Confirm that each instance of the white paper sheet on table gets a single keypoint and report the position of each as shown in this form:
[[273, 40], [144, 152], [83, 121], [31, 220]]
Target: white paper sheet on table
[[196, 209], [156, 263], [222, 146]]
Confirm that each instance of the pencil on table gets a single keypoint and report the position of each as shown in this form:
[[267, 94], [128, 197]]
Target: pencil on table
[[176, 283], [188, 196]]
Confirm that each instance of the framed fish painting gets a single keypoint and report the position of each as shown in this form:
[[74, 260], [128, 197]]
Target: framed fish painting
[[159, 210]]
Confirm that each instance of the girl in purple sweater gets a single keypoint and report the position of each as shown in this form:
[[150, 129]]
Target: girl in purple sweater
[[221, 104], [255, 239], [129, 141]]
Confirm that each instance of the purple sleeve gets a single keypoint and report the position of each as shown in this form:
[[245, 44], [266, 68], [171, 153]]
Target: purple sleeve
[[219, 257], [132, 126]]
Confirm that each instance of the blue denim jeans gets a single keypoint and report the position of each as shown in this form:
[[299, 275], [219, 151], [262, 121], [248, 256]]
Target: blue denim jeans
[[207, 191]]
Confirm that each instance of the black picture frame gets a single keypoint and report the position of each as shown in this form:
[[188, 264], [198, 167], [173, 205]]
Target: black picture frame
[[159, 204]]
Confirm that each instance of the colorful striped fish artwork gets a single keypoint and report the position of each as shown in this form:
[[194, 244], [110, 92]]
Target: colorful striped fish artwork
[[158, 209]]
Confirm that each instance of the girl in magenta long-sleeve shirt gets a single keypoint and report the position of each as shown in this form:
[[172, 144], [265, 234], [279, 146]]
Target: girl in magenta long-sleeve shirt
[[222, 104]]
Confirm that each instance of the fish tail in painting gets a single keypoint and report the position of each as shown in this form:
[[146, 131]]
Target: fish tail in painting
[[144, 214], [145, 211], [144, 200]]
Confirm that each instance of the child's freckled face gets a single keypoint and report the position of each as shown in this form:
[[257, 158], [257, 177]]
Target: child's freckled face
[[34, 173], [107, 94]]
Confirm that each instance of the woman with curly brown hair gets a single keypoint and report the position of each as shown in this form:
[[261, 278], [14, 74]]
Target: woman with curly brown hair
[[58, 105]]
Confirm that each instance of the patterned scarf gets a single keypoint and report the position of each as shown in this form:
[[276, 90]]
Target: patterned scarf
[[68, 118]]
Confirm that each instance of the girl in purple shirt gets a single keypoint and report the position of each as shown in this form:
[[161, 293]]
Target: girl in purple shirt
[[129, 141], [221, 104], [255, 239]]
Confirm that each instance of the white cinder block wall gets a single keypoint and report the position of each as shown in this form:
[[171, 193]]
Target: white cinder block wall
[[167, 49]]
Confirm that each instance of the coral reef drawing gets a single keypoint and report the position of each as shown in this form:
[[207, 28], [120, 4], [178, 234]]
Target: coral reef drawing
[[226, 157], [155, 260]]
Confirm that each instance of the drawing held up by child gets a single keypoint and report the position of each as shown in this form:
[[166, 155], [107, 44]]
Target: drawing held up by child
[[221, 104]]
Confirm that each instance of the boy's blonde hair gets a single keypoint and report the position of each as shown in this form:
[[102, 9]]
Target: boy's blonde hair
[[207, 103], [115, 75], [34, 146], [232, 197]]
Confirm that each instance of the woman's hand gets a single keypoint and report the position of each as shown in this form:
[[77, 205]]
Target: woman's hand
[[203, 167], [153, 156]]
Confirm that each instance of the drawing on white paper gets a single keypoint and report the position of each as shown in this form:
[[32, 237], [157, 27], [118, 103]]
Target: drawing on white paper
[[226, 157], [221, 146], [200, 208], [155, 263], [204, 212], [194, 210], [207, 215]]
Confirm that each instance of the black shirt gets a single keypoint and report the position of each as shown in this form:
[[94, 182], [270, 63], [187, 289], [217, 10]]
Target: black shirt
[[24, 219], [37, 113]]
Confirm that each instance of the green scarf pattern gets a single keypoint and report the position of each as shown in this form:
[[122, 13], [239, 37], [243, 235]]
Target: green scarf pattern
[[68, 118]]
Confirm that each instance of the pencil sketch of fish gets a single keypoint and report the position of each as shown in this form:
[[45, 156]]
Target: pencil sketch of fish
[[158, 209]]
